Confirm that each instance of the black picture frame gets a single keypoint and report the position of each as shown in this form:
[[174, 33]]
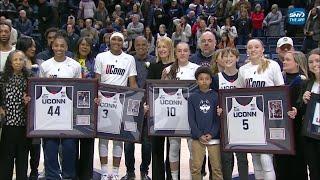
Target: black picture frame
[[152, 92], [83, 118], [309, 128], [129, 127], [271, 104]]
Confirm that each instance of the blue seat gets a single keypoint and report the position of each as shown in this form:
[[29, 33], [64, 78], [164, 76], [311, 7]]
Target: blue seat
[[297, 41], [297, 47], [242, 59], [242, 49], [272, 40], [274, 56]]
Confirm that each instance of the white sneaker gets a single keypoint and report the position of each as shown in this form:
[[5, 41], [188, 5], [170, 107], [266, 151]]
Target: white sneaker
[[114, 177], [105, 176]]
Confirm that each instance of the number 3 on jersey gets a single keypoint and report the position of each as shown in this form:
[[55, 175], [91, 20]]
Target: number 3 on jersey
[[54, 111]]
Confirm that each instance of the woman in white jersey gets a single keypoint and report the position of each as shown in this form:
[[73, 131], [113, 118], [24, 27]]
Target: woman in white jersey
[[228, 79], [312, 146], [261, 72], [181, 69]]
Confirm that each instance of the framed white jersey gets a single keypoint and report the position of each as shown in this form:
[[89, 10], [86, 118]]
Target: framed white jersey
[[171, 108], [245, 120], [54, 108], [110, 112], [255, 120], [62, 108]]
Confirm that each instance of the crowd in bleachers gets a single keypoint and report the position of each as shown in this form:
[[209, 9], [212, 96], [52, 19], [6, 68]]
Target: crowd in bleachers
[[233, 22]]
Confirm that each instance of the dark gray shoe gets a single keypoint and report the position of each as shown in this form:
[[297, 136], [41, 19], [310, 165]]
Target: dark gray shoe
[[145, 177], [129, 176]]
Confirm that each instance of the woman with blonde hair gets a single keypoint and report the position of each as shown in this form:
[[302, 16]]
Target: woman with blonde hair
[[164, 58], [295, 72], [261, 72], [217, 62]]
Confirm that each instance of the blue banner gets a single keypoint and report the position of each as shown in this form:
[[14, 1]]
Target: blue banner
[[297, 16]]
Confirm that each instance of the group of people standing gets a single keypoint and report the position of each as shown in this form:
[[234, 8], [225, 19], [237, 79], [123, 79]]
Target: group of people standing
[[211, 69]]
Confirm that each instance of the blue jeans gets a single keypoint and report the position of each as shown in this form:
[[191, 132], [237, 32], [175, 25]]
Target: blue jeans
[[51, 163], [145, 153], [257, 33]]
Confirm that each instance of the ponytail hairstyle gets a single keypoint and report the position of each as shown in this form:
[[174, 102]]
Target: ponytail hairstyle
[[214, 65], [263, 62], [174, 69]]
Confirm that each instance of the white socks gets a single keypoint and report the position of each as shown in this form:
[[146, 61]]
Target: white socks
[[175, 175], [115, 170], [104, 168]]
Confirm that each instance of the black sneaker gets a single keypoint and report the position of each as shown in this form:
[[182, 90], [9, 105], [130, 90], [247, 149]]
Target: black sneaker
[[33, 176], [129, 176], [145, 176]]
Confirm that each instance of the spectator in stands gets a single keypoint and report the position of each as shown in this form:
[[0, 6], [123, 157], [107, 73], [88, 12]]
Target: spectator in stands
[[146, 10], [157, 16], [8, 7], [24, 5], [272, 22], [316, 30], [150, 39], [244, 27], [135, 10], [86, 9], [23, 24], [191, 17], [72, 21], [185, 27], [127, 42], [202, 28], [209, 8], [106, 29], [14, 33], [135, 28], [178, 35], [118, 24], [257, 17], [224, 10], [226, 41], [264, 4], [72, 38], [101, 13], [44, 16], [207, 47], [126, 6], [90, 31], [48, 53], [118, 12], [162, 32], [241, 4], [104, 46], [173, 11], [308, 31], [284, 45], [229, 28], [213, 26]]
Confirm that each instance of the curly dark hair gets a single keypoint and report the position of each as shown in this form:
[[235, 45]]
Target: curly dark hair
[[23, 44], [90, 42], [8, 70]]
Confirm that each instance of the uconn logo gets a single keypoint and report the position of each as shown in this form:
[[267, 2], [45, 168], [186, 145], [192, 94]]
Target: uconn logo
[[251, 83], [110, 69]]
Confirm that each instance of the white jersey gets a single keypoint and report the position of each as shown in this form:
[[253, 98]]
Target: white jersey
[[171, 111], [185, 72], [3, 58], [115, 70], [225, 84], [246, 122], [69, 68], [110, 112], [54, 108], [250, 78]]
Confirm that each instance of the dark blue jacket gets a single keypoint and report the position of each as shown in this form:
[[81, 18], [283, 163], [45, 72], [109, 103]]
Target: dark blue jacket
[[202, 114], [199, 59]]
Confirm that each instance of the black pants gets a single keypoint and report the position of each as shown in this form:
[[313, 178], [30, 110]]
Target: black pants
[[312, 153], [292, 166], [34, 149], [85, 159], [145, 153], [159, 168], [13, 151]]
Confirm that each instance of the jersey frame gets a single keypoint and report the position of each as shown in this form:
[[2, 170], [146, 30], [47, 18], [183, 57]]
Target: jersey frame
[[83, 108], [278, 127], [309, 129], [131, 120], [151, 84]]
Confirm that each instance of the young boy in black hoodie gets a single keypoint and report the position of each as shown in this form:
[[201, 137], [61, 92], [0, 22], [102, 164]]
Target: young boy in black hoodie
[[203, 111]]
